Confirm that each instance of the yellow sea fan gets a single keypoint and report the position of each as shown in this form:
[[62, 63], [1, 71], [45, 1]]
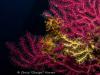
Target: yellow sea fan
[[78, 49], [48, 44], [73, 47], [53, 25]]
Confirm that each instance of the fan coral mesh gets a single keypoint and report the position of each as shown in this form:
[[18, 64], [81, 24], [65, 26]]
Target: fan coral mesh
[[77, 15], [71, 45]]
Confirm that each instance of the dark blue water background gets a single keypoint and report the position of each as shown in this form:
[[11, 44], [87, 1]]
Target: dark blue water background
[[16, 17]]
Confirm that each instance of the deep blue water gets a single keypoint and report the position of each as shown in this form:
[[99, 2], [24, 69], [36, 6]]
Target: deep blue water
[[16, 17], [13, 14]]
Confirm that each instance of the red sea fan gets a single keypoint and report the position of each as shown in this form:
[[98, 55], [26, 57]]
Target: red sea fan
[[79, 16], [29, 55], [26, 53]]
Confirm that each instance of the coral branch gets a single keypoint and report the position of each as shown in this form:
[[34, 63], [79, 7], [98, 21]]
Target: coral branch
[[72, 45]]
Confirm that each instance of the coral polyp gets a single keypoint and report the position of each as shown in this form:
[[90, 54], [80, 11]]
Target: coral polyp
[[71, 45]]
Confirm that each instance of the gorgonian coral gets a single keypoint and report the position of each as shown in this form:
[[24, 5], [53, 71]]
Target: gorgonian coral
[[78, 16], [21, 54], [29, 54], [74, 47], [57, 52], [71, 45]]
